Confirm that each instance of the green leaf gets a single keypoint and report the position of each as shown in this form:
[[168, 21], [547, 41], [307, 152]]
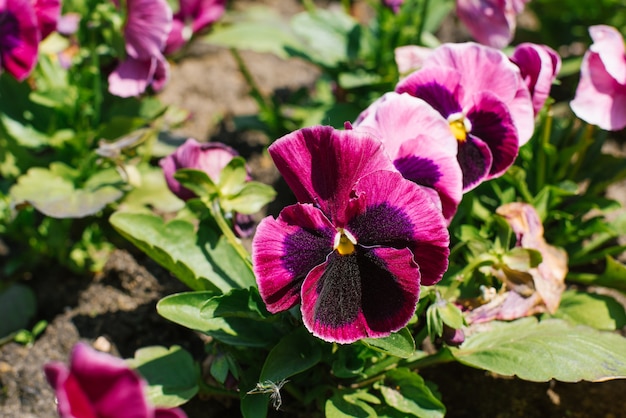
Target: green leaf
[[340, 407], [541, 351], [598, 311], [614, 276], [407, 392], [522, 259], [294, 353], [171, 373], [17, 308], [250, 199], [186, 309], [151, 193], [258, 29], [241, 303], [203, 261], [399, 344], [233, 177], [54, 195], [25, 136], [197, 181]]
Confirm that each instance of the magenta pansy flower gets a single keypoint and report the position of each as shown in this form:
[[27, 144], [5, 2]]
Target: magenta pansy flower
[[539, 66], [148, 23], [419, 141], [19, 37], [97, 384], [356, 248], [394, 5], [485, 101], [601, 93], [193, 17], [48, 13], [490, 22]]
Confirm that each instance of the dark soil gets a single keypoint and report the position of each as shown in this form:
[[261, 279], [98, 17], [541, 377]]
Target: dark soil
[[115, 309]]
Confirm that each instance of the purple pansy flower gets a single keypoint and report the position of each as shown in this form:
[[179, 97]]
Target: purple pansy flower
[[356, 248], [539, 65], [148, 23], [210, 157], [193, 17], [490, 22], [601, 93], [19, 37], [419, 141], [484, 99], [99, 385]]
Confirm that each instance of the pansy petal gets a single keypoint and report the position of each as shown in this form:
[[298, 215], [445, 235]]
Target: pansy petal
[[131, 77], [48, 13], [320, 165], [488, 21], [161, 73], [169, 413], [370, 293], [475, 160], [539, 65], [71, 400], [400, 214], [176, 39], [410, 57], [207, 13], [608, 43], [19, 38], [286, 249], [439, 87], [147, 27], [111, 386], [492, 123]]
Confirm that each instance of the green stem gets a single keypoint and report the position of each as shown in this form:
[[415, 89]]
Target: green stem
[[422, 23], [442, 356], [97, 82], [216, 212], [541, 152], [587, 140]]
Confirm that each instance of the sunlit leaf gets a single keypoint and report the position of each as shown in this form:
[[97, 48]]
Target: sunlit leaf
[[598, 311], [399, 344], [407, 392]]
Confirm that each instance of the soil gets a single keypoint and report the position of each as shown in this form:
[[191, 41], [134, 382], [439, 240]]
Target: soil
[[115, 309]]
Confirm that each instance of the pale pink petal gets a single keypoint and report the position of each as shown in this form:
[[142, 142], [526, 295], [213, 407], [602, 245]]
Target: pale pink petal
[[132, 77], [609, 44], [147, 25], [410, 57]]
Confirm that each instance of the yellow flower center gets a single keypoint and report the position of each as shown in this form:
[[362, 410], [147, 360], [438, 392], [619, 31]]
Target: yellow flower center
[[344, 242], [459, 125]]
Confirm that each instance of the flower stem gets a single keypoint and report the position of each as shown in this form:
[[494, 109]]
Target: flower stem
[[218, 216], [541, 152]]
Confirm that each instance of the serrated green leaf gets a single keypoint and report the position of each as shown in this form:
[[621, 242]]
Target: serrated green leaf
[[400, 344], [598, 311], [203, 260], [541, 351], [407, 392], [56, 196], [171, 373], [250, 199]]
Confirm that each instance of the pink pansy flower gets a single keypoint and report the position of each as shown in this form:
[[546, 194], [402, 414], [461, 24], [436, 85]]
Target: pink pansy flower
[[490, 22], [482, 95], [210, 157], [100, 385], [356, 248], [539, 66], [410, 58], [419, 141], [147, 24], [19, 37], [601, 94], [48, 13], [193, 17]]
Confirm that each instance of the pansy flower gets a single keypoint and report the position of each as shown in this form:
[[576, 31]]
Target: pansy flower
[[193, 17], [19, 37], [148, 23], [485, 101], [601, 93], [210, 157], [490, 22], [358, 245], [539, 66], [97, 384], [419, 141], [48, 13]]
